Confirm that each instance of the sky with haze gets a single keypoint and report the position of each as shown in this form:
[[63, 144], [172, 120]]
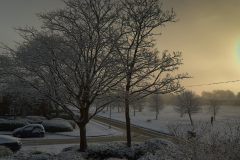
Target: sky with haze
[[207, 33]]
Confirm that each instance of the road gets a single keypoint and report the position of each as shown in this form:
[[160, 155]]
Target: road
[[137, 134]]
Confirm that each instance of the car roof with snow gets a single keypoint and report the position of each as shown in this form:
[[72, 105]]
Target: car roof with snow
[[8, 139], [20, 128]]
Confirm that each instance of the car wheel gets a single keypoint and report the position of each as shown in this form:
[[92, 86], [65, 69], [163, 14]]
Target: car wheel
[[40, 135], [19, 135]]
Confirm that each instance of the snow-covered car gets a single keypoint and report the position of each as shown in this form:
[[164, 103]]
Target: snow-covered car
[[31, 130], [11, 142]]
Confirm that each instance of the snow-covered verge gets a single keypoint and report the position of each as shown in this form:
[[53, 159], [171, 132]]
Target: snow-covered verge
[[154, 149]]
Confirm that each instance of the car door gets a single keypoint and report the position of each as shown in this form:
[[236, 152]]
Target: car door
[[27, 132]]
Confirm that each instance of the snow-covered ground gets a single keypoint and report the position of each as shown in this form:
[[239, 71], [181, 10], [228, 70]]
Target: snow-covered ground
[[227, 114], [93, 129]]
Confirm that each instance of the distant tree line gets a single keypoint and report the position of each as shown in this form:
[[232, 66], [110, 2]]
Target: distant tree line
[[227, 94]]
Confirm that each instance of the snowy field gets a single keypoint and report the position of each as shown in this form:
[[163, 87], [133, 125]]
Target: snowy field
[[227, 114]]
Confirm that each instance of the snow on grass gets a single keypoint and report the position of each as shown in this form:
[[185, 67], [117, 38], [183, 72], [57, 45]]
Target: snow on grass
[[146, 118], [93, 129]]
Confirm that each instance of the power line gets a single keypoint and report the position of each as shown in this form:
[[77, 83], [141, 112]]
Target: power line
[[213, 83]]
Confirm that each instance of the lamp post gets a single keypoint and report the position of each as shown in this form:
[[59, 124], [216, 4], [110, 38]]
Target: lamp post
[[110, 117]]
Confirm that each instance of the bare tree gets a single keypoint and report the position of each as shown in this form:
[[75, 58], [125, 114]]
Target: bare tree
[[187, 104], [74, 55], [93, 45], [214, 107], [143, 69], [156, 103], [138, 104]]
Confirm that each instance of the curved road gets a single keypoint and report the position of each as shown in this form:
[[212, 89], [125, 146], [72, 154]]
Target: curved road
[[138, 134]]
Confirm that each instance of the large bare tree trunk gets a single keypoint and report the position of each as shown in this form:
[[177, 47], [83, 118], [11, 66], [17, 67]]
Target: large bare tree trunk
[[128, 123], [82, 127], [83, 138], [127, 115]]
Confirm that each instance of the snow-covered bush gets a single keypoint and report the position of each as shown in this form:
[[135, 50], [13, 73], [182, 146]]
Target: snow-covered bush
[[61, 119], [57, 126], [25, 119], [69, 121], [36, 119], [209, 143], [4, 151], [72, 123], [10, 125], [64, 116], [155, 149], [120, 149], [31, 154]]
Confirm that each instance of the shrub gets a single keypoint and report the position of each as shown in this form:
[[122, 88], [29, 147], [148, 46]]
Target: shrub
[[72, 123], [36, 119], [63, 115], [10, 125], [209, 142], [57, 126], [69, 121], [120, 149], [4, 151], [25, 119]]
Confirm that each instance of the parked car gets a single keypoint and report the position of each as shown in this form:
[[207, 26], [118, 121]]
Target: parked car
[[30, 130], [11, 142]]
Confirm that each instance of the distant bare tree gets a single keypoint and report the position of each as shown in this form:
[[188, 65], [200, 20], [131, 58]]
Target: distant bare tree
[[138, 105], [156, 103], [187, 104], [214, 108]]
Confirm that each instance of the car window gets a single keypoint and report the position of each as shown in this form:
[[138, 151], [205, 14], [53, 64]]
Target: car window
[[28, 128], [37, 129]]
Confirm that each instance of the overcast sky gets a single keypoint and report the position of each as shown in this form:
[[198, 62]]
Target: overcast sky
[[207, 33]]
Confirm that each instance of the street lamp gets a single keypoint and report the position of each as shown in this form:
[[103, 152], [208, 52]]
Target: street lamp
[[110, 117]]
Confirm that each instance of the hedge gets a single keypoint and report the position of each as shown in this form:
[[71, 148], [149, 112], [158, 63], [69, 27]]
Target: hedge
[[57, 126], [11, 125], [64, 116]]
